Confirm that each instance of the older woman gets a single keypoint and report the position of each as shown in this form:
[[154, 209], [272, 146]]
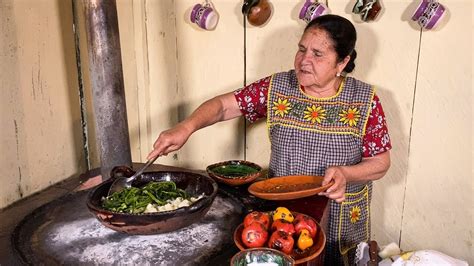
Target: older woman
[[320, 123]]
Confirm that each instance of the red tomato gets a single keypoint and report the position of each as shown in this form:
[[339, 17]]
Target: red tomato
[[281, 241], [305, 222], [256, 216], [254, 235], [283, 225]]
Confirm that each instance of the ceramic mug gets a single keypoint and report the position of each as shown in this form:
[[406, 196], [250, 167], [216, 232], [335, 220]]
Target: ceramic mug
[[368, 9], [428, 13], [312, 10], [204, 16]]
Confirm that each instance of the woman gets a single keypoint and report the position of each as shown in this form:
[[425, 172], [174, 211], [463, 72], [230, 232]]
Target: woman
[[320, 123]]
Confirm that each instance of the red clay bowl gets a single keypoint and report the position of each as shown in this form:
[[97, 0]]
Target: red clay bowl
[[160, 222]]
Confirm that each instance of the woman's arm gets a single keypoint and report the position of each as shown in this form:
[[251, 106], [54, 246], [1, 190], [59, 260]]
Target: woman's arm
[[220, 108], [370, 168]]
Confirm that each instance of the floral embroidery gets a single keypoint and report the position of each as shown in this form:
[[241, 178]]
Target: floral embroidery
[[351, 116], [281, 107], [315, 114], [355, 214]]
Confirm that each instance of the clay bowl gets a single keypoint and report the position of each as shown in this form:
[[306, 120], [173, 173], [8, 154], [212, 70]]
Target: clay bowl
[[288, 187], [234, 173], [319, 242], [261, 256], [160, 222]]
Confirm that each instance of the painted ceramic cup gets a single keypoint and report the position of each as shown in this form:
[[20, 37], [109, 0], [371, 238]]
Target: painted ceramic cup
[[204, 16], [428, 13], [312, 10], [368, 9]]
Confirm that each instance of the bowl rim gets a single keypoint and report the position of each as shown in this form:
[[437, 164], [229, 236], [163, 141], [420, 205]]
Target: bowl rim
[[234, 162], [271, 250]]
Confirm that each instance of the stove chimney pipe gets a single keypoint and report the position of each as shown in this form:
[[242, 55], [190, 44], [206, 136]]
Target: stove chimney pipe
[[103, 44]]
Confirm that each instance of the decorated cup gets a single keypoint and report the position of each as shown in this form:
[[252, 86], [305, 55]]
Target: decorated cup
[[204, 16], [312, 10], [428, 14]]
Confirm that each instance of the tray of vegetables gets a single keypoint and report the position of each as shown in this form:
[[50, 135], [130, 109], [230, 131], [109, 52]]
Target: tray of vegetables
[[295, 234]]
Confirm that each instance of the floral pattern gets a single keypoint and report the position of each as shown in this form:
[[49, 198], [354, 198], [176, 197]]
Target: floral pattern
[[252, 101], [355, 214], [281, 107], [351, 116], [315, 114]]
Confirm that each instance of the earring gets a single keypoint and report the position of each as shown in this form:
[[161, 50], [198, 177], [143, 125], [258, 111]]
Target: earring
[[338, 74]]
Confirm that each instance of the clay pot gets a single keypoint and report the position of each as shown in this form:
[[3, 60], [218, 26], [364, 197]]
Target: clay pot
[[160, 222], [258, 11]]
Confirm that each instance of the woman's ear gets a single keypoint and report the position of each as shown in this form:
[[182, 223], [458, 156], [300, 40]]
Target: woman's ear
[[341, 65]]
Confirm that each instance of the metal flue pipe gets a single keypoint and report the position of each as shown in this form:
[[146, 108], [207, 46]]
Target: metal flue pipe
[[103, 44]]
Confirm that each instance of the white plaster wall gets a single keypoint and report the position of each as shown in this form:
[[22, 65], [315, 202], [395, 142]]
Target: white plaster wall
[[438, 201], [41, 141]]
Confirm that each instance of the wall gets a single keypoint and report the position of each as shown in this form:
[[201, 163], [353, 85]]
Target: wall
[[424, 80], [41, 136]]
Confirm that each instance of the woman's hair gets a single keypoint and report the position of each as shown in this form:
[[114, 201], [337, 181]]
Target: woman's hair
[[343, 35]]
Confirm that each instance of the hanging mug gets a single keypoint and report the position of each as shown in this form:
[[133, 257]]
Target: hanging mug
[[428, 14], [312, 10], [204, 16], [368, 9]]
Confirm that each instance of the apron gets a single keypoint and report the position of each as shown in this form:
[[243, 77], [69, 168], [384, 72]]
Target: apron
[[308, 135]]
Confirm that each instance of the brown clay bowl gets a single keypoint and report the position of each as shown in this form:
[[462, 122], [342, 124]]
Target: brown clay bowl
[[235, 172], [160, 222], [319, 242]]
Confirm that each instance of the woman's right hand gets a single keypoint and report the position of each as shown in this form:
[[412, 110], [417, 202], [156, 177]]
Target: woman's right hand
[[170, 140]]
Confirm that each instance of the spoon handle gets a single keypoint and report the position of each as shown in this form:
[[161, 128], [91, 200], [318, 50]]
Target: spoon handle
[[148, 163]]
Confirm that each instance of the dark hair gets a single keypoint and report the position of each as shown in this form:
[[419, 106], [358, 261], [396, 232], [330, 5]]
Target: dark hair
[[343, 34]]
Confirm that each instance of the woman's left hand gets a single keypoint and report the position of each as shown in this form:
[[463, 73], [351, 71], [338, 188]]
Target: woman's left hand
[[335, 192]]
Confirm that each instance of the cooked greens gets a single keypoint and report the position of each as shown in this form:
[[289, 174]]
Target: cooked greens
[[234, 170], [135, 200]]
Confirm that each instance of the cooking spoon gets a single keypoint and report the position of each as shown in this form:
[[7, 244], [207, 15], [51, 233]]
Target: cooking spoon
[[125, 182]]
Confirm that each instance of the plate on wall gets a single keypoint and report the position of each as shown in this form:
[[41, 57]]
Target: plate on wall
[[288, 187]]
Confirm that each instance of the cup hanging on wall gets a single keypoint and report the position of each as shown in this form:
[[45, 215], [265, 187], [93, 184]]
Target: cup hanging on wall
[[428, 14], [258, 12], [311, 10], [367, 9], [205, 16]]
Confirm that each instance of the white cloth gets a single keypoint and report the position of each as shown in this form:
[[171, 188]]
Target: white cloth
[[422, 257]]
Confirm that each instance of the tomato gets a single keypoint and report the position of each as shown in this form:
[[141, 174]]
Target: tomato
[[256, 216], [283, 225], [254, 235], [281, 241], [305, 222]]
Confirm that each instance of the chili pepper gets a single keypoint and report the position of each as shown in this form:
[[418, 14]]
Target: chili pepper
[[304, 240], [283, 213]]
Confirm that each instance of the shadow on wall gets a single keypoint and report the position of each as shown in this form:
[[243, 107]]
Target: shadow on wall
[[69, 51]]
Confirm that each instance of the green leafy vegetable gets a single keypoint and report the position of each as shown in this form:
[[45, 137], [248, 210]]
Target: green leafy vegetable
[[135, 200], [234, 170]]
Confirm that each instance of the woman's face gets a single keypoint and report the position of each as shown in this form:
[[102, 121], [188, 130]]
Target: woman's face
[[316, 60]]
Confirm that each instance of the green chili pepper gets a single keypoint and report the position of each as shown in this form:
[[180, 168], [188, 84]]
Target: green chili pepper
[[135, 200]]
